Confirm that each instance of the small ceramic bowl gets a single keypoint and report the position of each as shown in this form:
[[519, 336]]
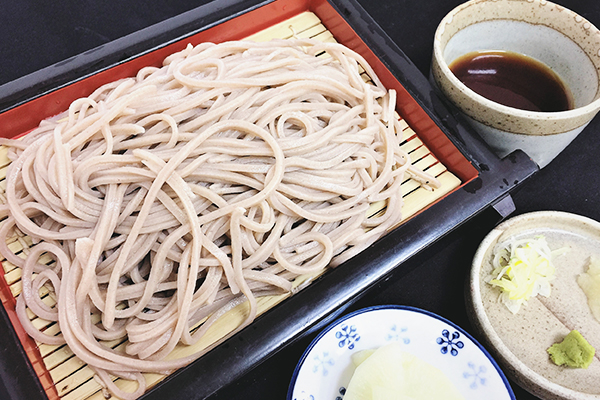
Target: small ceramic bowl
[[520, 341], [325, 368], [552, 34]]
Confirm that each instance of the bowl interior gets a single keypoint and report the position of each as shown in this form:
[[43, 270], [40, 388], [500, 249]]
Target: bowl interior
[[571, 63], [519, 341]]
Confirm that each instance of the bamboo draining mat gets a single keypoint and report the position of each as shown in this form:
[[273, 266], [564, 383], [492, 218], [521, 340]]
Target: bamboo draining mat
[[74, 380]]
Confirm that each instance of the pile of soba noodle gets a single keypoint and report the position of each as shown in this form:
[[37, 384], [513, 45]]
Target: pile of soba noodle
[[166, 199]]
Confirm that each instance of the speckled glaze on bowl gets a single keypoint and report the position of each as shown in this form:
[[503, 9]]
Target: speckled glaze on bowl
[[519, 342], [548, 32]]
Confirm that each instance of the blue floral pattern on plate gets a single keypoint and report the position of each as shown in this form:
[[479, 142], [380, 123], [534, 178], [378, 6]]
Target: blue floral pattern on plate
[[397, 334], [326, 368], [450, 344], [347, 335], [322, 362], [341, 392], [304, 396], [476, 375]]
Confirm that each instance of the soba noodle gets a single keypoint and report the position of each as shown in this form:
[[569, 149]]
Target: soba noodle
[[167, 199]]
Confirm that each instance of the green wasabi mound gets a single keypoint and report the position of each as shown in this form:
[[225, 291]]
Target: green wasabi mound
[[389, 373], [574, 351]]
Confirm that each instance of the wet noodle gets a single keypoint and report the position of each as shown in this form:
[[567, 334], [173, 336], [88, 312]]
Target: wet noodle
[[167, 199]]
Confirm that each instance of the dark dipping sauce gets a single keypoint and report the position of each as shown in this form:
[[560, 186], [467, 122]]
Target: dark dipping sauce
[[514, 80]]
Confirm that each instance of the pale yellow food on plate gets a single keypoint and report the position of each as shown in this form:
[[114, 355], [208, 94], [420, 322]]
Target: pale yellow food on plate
[[390, 373]]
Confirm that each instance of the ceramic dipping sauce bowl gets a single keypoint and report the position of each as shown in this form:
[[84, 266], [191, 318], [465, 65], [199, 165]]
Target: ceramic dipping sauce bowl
[[547, 32]]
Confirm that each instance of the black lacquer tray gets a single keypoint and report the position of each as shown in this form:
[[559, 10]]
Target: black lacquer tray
[[487, 180]]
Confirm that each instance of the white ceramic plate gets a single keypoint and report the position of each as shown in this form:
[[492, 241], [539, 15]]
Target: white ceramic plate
[[325, 369], [519, 342]]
